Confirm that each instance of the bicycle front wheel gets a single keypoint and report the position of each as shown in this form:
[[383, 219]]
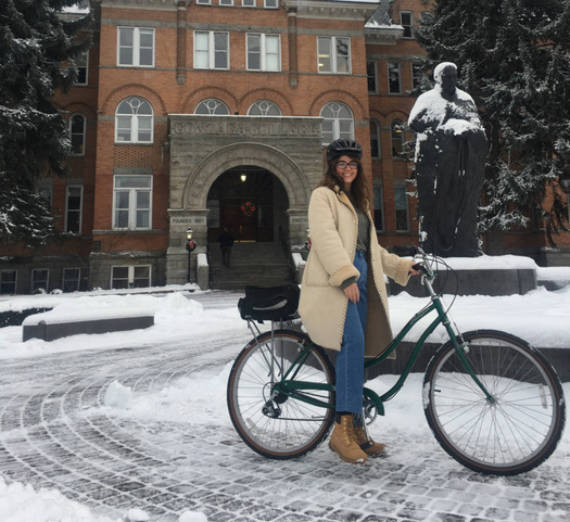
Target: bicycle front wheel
[[279, 426], [514, 431]]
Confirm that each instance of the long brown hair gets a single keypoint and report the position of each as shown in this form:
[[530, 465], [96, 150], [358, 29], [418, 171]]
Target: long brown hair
[[359, 188]]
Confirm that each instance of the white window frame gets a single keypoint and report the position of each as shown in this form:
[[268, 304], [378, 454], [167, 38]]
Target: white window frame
[[263, 51], [336, 123], [375, 64], [83, 133], [268, 105], [252, 4], [410, 26], [212, 50], [131, 275], [413, 66], [84, 56], [378, 183], [276, 6], [388, 64], [7, 271], [333, 55], [136, 47], [226, 3], [34, 270], [64, 279], [203, 2], [215, 103], [132, 206], [67, 191], [134, 127]]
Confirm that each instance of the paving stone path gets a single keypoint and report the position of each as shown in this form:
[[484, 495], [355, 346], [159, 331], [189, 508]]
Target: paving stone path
[[113, 464]]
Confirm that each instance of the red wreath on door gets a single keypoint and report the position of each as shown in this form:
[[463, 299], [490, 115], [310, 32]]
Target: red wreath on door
[[248, 208]]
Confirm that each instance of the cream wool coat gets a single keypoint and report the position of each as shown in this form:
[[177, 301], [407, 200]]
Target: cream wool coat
[[333, 226]]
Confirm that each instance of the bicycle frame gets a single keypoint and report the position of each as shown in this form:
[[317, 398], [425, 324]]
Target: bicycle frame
[[290, 387]]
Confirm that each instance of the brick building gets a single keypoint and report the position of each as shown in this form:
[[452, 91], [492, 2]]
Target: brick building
[[213, 113]]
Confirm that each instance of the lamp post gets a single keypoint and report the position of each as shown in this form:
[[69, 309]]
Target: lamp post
[[190, 246]]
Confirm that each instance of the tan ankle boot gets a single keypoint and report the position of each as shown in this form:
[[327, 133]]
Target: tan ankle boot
[[343, 442], [371, 448]]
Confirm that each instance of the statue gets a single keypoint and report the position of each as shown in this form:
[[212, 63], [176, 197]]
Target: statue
[[451, 150]]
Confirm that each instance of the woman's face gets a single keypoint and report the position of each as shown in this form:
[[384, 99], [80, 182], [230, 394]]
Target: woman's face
[[347, 170]]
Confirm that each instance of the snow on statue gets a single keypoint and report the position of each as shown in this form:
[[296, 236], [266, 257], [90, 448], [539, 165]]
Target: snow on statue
[[451, 150]]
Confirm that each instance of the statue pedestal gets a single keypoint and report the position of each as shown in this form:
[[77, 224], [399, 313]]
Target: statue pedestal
[[485, 275]]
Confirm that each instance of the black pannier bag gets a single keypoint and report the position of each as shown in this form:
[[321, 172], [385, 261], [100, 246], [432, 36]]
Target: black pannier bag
[[276, 303]]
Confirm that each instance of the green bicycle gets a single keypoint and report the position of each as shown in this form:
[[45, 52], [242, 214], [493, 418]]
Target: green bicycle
[[493, 402]]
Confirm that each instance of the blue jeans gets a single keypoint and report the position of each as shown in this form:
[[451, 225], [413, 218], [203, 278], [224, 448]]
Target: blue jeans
[[350, 360]]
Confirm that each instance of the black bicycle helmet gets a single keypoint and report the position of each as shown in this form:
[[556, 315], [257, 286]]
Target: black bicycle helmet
[[342, 147]]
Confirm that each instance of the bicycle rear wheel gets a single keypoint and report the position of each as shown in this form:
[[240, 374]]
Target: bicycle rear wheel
[[517, 430], [279, 427]]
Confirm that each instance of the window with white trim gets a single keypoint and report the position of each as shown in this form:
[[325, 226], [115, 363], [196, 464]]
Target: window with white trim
[[401, 207], [398, 139], [71, 281], [378, 194], [406, 23], [212, 107], [333, 54], [372, 73], [132, 202], [7, 282], [134, 121], [77, 127], [417, 73], [73, 206], [394, 82], [204, 2], [264, 108], [248, 3], [82, 63], [211, 50], [338, 122], [40, 280], [131, 276], [135, 46], [263, 52], [226, 2], [375, 139], [271, 4]]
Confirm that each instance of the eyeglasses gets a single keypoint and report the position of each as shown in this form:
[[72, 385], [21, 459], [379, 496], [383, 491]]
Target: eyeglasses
[[344, 164]]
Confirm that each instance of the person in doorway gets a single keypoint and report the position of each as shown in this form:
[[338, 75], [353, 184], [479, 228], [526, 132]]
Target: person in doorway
[[226, 241], [343, 302]]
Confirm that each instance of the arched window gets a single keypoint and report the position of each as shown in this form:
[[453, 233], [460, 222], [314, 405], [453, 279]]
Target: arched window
[[264, 108], [77, 134], [212, 106], [398, 138], [338, 122], [375, 139], [134, 121]]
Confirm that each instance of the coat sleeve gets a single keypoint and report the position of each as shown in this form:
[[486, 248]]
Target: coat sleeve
[[326, 241], [395, 267]]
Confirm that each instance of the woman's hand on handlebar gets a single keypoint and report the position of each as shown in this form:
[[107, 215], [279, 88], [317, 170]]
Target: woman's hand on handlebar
[[416, 269], [352, 292]]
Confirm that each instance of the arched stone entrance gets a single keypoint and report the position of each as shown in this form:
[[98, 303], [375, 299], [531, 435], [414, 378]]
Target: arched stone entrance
[[202, 148]]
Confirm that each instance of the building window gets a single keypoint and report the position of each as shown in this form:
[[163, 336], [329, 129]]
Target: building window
[[73, 204], [271, 4], [211, 50], [372, 71], [406, 23], [263, 52], [378, 194], [132, 202], [204, 2], [77, 126], [338, 122], [417, 73], [71, 279], [333, 54], [374, 139], [7, 281], [82, 62], [134, 121], [136, 46], [394, 83], [248, 3], [401, 205], [40, 280], [226, 2], [264, 108], [212, 107], [398, 139], [130, 276]]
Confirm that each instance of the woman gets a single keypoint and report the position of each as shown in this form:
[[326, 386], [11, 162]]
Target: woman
[[343, 301]]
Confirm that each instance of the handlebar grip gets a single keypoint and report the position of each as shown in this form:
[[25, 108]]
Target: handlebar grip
[[420, 268]]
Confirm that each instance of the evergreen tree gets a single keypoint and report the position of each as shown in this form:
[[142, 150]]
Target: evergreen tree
[[513, 57], [37, 51]]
